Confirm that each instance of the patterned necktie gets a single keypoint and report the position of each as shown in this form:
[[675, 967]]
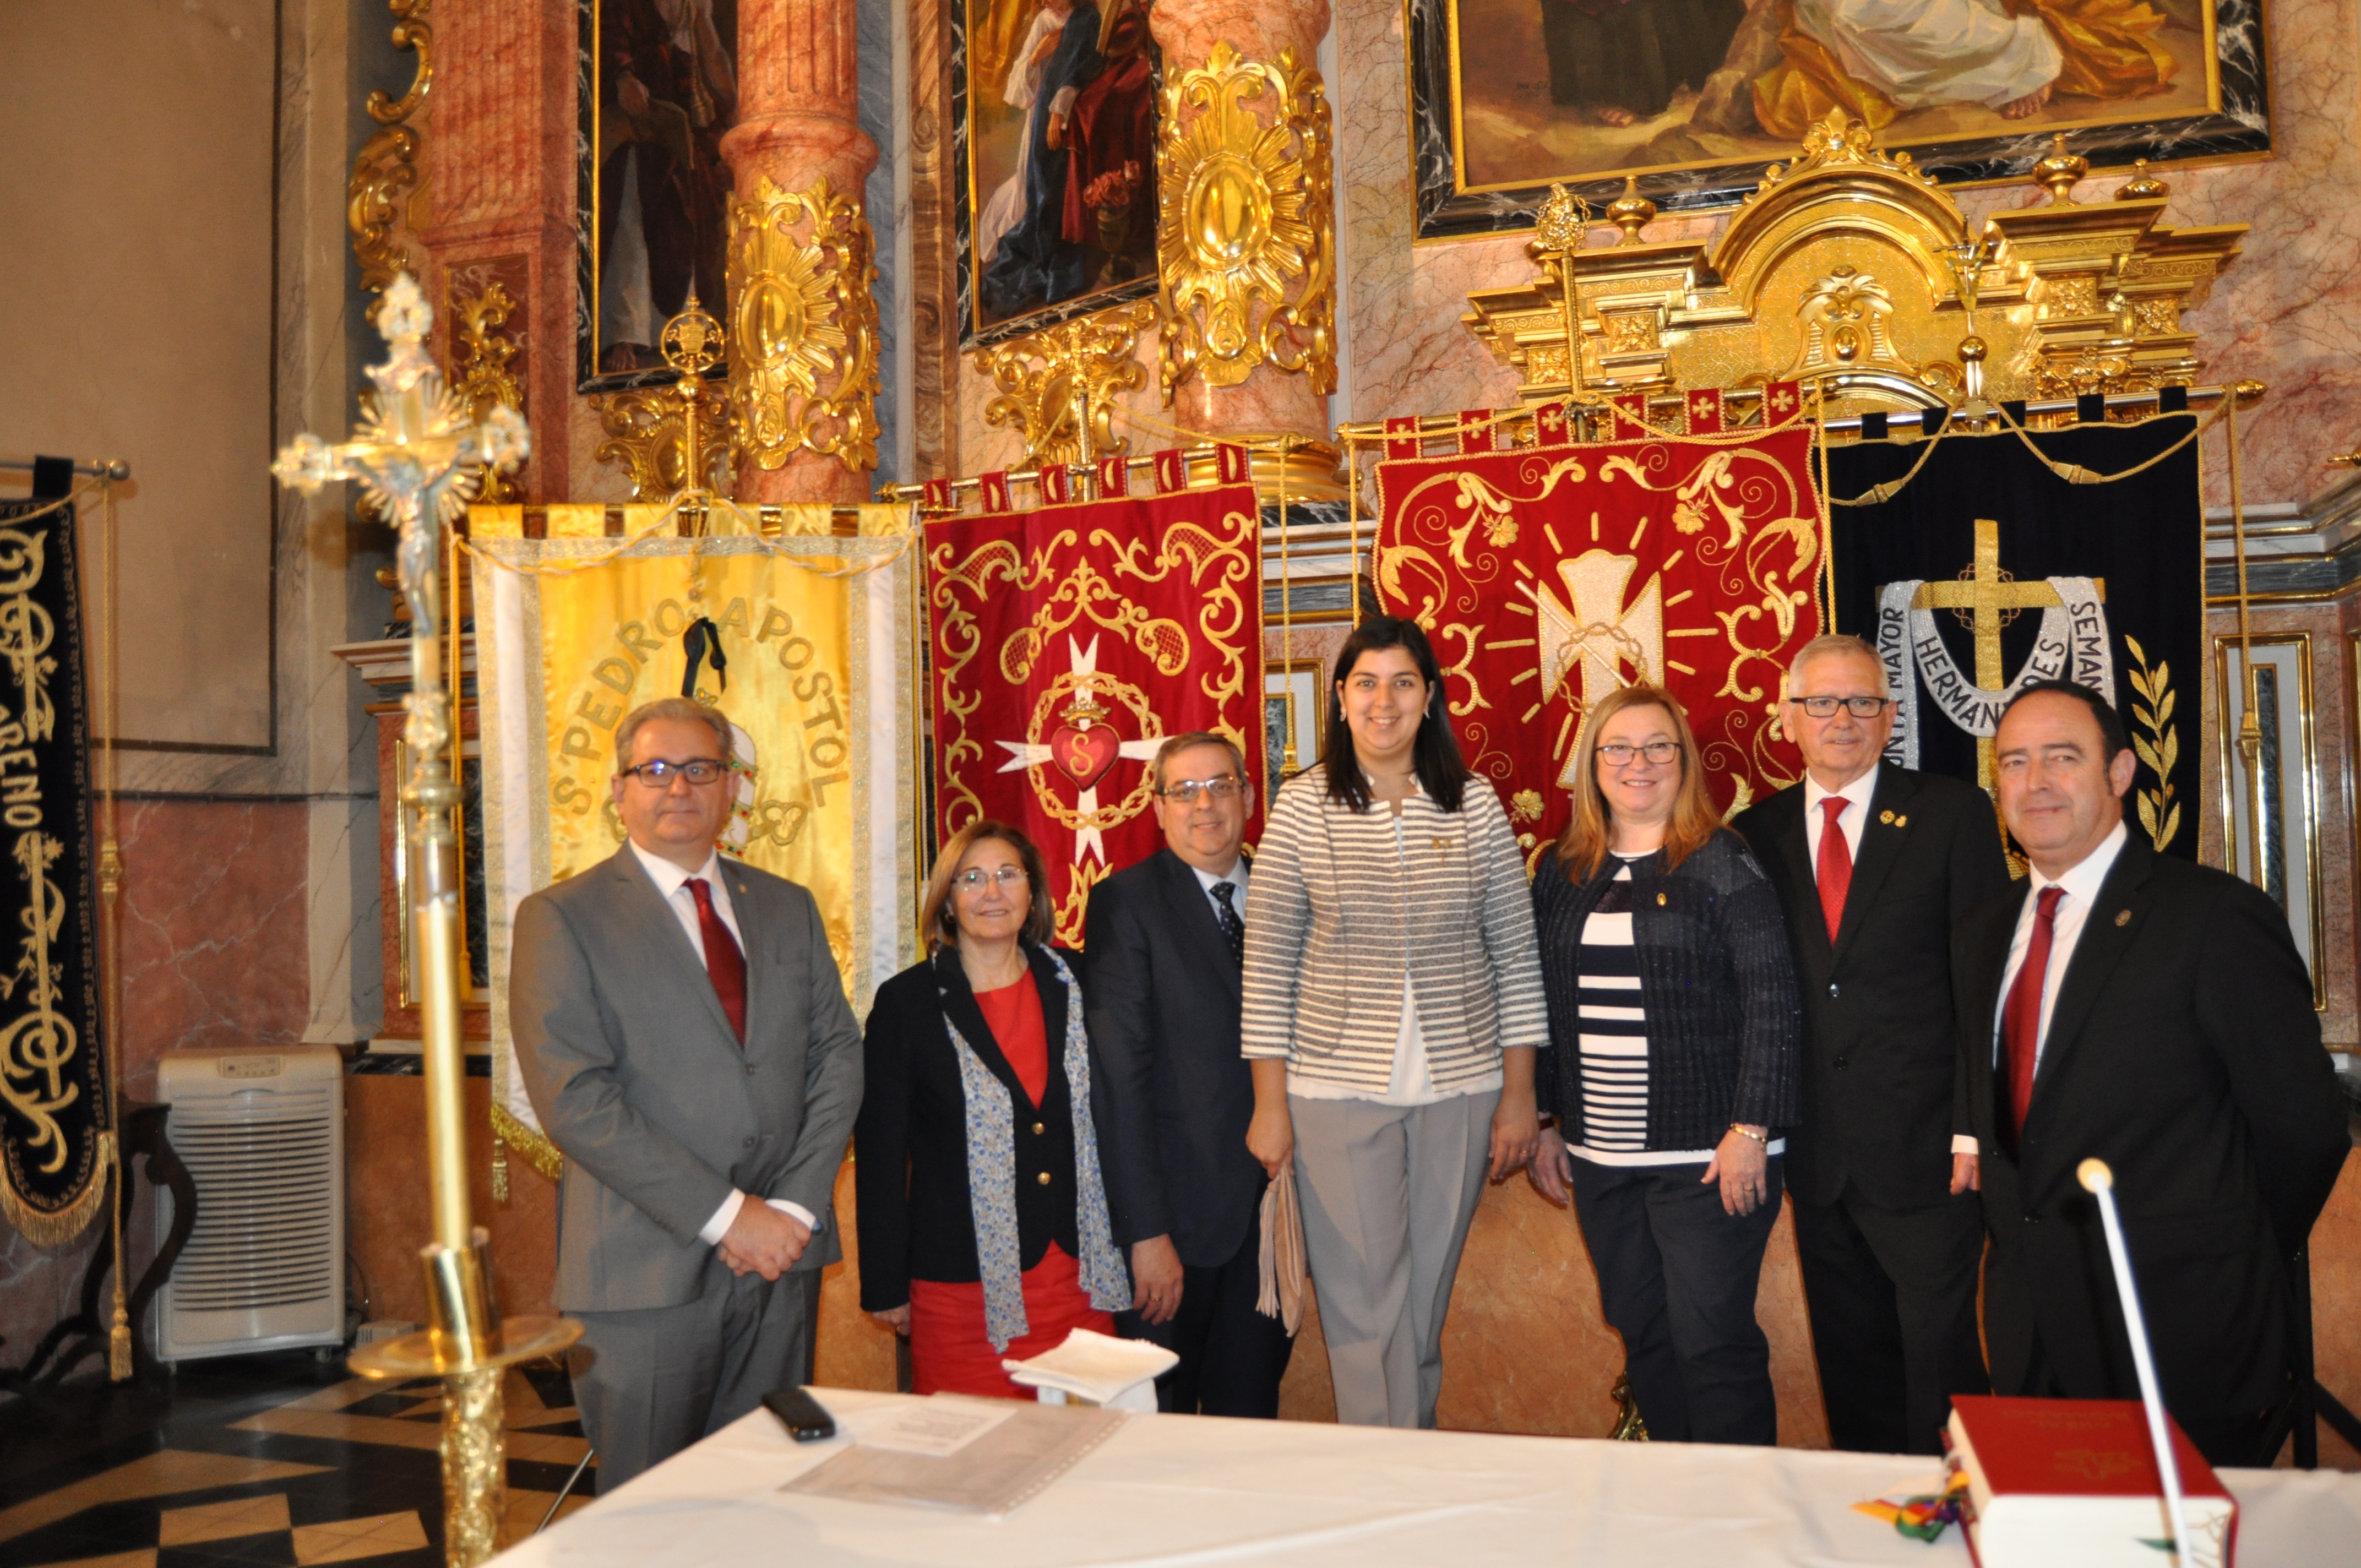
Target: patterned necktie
[[1836, 865], [2020, 1021], [1227, 914], [723, 960]]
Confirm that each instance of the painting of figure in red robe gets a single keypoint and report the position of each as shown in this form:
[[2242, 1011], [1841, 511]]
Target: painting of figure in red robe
[[1059, 212], [665, 89]]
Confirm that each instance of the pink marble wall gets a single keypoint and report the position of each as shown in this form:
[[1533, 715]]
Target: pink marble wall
[[216, 952]]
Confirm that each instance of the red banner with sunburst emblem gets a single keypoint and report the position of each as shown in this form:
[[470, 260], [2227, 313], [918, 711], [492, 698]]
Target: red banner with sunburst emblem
[[1547, 577], [1068, 642]]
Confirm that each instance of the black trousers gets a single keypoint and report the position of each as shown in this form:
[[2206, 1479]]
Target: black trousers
[[2227, 1441], [1678, 1276], [1232, 1357], [1892, 1294]]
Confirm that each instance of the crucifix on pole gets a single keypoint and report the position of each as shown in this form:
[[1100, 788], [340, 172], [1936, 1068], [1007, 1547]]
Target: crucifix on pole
[[419, 452], [1991, 597]]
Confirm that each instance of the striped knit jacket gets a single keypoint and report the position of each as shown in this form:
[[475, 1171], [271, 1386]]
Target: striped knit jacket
[[1335, 919]]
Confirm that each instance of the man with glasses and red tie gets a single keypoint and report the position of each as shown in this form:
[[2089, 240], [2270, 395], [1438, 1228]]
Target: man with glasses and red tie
[[1166, 948], [2154, 1014], [684, 1037], [1874, 865]]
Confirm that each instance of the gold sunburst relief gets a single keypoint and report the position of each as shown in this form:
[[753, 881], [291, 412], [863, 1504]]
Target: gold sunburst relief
[[1246, 232], [803, 328]]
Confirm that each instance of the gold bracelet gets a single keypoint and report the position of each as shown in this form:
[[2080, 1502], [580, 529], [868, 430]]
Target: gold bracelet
[[1762, 1138]]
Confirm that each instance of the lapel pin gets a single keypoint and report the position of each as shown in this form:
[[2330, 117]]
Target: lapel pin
[[1660, 901], [1885, 816], [2123, 918], [1902, 822]]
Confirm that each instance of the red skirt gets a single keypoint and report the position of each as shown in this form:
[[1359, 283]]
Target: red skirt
[[948, 1354]]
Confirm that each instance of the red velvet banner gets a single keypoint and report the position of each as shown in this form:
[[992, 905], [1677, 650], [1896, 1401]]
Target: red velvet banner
[[1066, 643], [1548, 576]]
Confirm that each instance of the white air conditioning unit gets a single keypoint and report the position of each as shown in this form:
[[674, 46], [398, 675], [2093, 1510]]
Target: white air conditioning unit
[[262, 1132]]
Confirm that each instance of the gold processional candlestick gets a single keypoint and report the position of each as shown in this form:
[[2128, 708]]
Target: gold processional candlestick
[[419, 455], [1558, 230], [692, 345], [2250, 725]]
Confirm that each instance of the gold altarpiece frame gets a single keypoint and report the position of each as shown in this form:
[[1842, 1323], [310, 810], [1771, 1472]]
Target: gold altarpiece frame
[[1851, 270]]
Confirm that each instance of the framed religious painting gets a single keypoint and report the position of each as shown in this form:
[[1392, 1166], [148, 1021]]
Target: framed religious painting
[[1054, 104], [1692, 98], [657, 88]]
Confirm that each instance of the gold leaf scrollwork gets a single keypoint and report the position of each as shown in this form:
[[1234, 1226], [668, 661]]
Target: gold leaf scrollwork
[[384, 184], [1247, 219], [803, 328], [1057, 388], [2155, 743], [481, 357]]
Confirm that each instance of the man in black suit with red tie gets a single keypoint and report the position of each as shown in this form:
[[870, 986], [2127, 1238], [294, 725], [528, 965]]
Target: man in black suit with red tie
[[1873, 864], [2131, 1006], [1165, 948]]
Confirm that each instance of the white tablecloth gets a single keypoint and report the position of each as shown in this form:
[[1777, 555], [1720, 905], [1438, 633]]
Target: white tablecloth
[[1172, 1490]]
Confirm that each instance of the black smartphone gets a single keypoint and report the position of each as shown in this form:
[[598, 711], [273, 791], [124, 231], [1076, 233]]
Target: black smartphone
[[800, 1414]]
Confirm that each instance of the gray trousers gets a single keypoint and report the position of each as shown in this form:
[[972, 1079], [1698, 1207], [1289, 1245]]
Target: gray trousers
[[1386, 1193], [652, 1382]]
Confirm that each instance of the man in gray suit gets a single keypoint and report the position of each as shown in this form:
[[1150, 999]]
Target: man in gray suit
[[684, 1037]]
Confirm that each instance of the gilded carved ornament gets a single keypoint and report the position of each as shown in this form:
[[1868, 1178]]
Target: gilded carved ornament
[[1850, 267], [384, 196], [1057, 388], [1246, 233], [481, 357], [803, 328]]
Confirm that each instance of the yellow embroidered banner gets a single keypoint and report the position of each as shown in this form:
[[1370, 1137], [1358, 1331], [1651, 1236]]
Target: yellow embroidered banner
[[817, 676]]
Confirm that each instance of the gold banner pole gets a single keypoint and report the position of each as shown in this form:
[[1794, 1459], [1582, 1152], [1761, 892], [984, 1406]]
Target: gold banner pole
[[2250, 726], [418, 452]]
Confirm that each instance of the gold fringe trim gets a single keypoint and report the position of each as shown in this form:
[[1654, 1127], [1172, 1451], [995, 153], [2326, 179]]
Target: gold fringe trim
[[55, 1229], [538, 1151]]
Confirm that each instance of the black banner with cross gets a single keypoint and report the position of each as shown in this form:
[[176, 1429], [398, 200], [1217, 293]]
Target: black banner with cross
[[54, 1115], [1988, 568]]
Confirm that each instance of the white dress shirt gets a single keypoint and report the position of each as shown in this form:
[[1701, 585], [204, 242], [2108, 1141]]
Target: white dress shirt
[[673, 884], [2081, 884], [1850, 820]]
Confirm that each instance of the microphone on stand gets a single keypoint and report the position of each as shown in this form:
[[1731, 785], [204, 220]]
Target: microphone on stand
[[2100, 1182]]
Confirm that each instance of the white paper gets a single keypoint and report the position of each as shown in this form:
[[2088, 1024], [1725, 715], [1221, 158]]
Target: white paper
[[1094, 1367], [934, 1426]]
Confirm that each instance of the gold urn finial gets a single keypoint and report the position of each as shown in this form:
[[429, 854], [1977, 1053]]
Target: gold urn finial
[[1630, 212], [2142, 186], [2059, 172]]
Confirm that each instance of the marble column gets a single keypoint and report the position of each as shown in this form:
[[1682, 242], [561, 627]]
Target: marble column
[[1269, 399], [500, 155], [799, 129]]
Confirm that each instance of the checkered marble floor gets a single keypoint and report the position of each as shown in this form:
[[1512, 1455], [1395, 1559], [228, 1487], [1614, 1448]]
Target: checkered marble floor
[[271, 1461]]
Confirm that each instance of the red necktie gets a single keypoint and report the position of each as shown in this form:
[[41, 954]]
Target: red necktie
[[1836, 865], [2020, 1021], [723, 961]]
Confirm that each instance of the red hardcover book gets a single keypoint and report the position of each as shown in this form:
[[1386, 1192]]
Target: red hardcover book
[[2073, 1483]]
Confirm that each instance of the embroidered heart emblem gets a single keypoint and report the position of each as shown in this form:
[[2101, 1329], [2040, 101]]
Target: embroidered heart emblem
[[1084, 755]]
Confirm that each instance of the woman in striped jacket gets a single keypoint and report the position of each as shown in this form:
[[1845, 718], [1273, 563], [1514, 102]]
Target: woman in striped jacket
[[1393, 1004]]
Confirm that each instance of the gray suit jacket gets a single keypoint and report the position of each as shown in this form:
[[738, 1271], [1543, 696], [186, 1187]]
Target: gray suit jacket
[[637, 1076]]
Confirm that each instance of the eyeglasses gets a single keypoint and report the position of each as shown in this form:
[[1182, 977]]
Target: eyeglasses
[[1226, 787], [1859, 706], [1615, 754], [659, 775], [975, 879]]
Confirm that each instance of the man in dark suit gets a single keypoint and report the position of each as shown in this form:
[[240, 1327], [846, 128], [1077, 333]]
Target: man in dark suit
[[1165, 944], [2129, 1006], [1873, 864], [683, 1035]]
